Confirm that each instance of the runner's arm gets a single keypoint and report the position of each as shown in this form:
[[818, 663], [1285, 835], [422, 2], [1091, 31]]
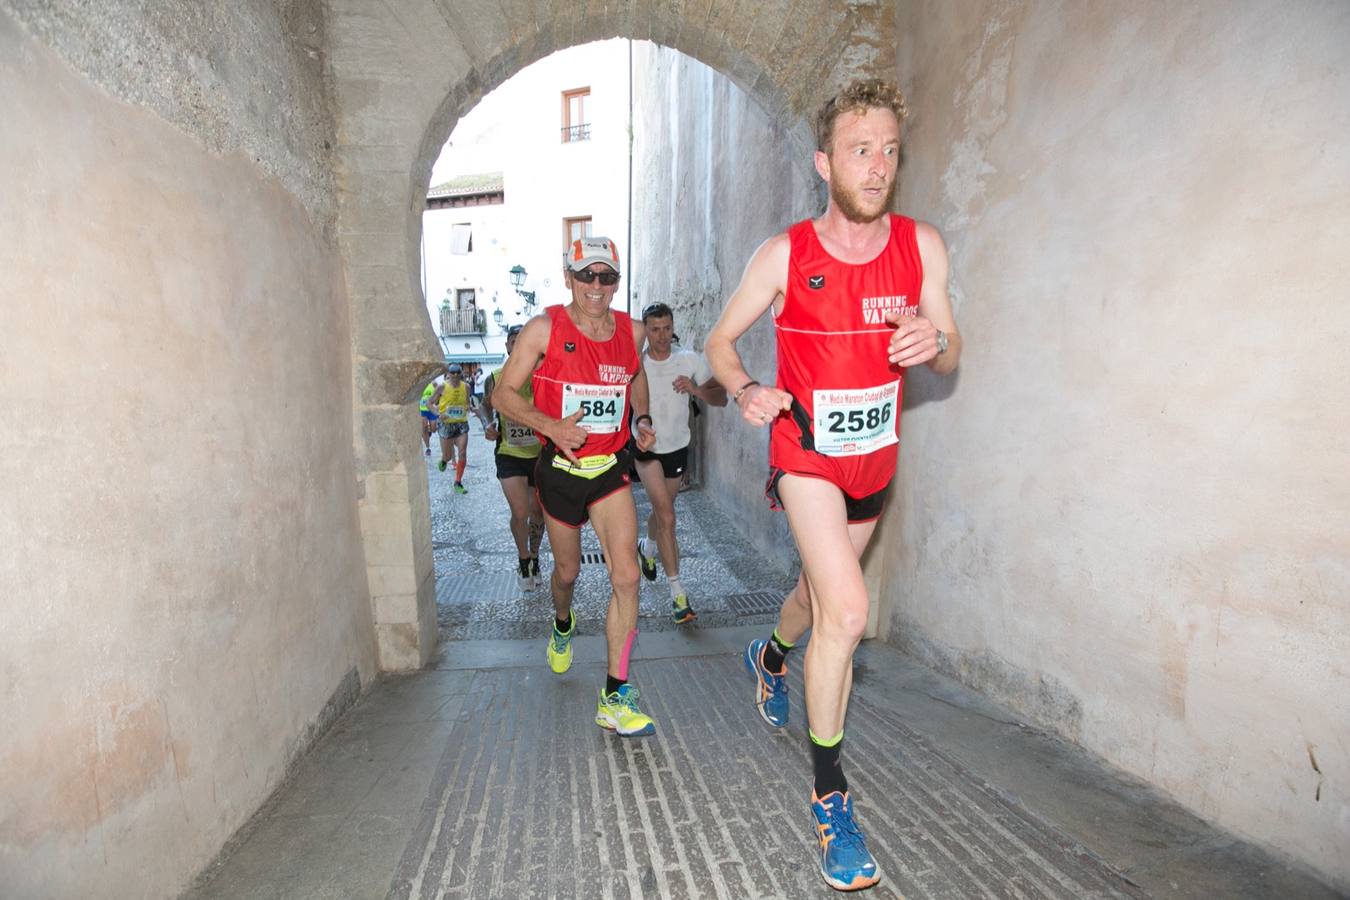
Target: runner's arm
[[489, 426], [764, 282], [640, 398], [488, 384], [530, 347], [915, 340], [712, 393]]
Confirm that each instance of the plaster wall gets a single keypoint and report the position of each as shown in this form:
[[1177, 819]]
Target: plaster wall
[[1129, 513], [714, 177], [183, 606]]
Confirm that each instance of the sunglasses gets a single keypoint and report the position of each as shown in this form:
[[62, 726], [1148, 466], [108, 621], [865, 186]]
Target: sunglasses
[[586, 276]]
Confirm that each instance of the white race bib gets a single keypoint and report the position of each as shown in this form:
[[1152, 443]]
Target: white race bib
[[601, 405], [519, 435], [855, 422]]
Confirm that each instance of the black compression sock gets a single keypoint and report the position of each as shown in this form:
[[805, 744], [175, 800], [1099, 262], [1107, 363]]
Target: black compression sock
[[825, 761], [525, 567], [775, 653], [612, 684]]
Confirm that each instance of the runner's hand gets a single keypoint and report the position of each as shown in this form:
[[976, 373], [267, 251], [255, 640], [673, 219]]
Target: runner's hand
[[684, 385], [761, 404], [914, 341], [568, 435], [490, 432], [646, 437]]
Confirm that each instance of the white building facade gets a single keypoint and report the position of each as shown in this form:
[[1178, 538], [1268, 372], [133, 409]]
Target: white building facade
[[542, 159]]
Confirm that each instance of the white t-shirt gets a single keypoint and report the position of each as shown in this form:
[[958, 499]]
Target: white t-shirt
[[670, 410]]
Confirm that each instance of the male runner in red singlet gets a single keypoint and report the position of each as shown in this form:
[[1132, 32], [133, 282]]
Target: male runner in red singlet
[[582, 360], [858, 295]]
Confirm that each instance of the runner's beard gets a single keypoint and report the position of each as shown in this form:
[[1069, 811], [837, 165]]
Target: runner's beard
[[851, 206]]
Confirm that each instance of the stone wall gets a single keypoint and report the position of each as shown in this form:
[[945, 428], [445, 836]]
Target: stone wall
[[714, 177], [1129, 514], [183, 606]]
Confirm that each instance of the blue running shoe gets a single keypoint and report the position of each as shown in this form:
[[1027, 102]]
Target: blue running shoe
[[845, 863], [771, 691]]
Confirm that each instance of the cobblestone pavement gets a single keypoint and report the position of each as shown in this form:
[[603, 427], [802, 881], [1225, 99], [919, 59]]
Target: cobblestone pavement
[[475, 559]]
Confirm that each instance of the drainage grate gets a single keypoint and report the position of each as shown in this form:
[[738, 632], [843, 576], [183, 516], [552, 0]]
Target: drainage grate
[[755, 603], [476, 588]]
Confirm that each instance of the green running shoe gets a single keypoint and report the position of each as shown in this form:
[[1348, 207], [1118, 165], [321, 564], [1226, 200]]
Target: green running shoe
[[619, 713], [681, 611], [560, 648], [646, 563]]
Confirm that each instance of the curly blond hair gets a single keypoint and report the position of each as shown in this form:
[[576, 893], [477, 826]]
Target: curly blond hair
[[858, 97]]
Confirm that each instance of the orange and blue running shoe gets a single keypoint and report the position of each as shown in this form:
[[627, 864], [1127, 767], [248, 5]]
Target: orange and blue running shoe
[[845, 863], [771, 691]]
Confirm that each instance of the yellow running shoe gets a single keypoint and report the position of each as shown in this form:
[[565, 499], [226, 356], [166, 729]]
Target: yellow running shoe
[[560, 648], [619, 713]]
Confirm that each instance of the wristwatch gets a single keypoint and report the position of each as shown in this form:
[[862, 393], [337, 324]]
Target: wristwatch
[[942, 342]]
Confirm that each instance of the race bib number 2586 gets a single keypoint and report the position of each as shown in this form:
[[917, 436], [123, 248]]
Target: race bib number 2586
[[854, 422]]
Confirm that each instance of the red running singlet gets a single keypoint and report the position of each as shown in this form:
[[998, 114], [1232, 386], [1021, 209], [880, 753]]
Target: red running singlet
[[578, 373], [832, 357]]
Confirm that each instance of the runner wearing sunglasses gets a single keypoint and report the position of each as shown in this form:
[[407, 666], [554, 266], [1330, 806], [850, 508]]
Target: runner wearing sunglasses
[[859, 296], [590, 405], [674, 375]]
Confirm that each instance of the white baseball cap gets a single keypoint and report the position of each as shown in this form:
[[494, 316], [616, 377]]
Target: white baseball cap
[[585, 251]]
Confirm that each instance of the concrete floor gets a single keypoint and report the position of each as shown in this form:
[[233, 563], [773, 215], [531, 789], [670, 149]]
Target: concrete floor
[[486, 776]]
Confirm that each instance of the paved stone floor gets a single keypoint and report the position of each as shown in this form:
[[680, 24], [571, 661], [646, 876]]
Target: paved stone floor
[[485, 776], [475, 561]]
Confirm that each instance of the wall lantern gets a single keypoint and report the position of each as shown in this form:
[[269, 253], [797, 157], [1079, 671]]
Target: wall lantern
[[518, 274]]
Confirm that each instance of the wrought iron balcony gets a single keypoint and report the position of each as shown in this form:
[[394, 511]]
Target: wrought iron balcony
[[572, 133], [463, 321]]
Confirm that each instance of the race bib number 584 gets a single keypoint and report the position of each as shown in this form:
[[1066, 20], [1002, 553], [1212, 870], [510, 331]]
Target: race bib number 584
[[601, 405], [854, 422]]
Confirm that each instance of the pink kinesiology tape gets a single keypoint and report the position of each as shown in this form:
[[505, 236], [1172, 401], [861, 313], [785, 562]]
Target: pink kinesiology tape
[[627, 650]]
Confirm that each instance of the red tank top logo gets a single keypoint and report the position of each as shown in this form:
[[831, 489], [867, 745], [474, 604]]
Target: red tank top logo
[[874, 309], [613, 374]]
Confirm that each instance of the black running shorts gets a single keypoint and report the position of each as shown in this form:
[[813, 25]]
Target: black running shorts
[[673, 463], [567, 497], [515, 467], [865, 509]]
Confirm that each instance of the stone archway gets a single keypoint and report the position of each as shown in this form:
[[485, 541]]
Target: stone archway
[[402, 74]]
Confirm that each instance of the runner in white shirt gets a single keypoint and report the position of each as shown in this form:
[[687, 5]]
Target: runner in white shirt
[[673, 376]]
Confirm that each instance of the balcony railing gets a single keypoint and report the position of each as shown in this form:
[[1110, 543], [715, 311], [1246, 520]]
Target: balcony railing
[[572, 133], [463, 321]]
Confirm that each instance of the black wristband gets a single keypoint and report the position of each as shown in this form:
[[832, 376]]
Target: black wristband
[[736, 396], [638, 419]]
